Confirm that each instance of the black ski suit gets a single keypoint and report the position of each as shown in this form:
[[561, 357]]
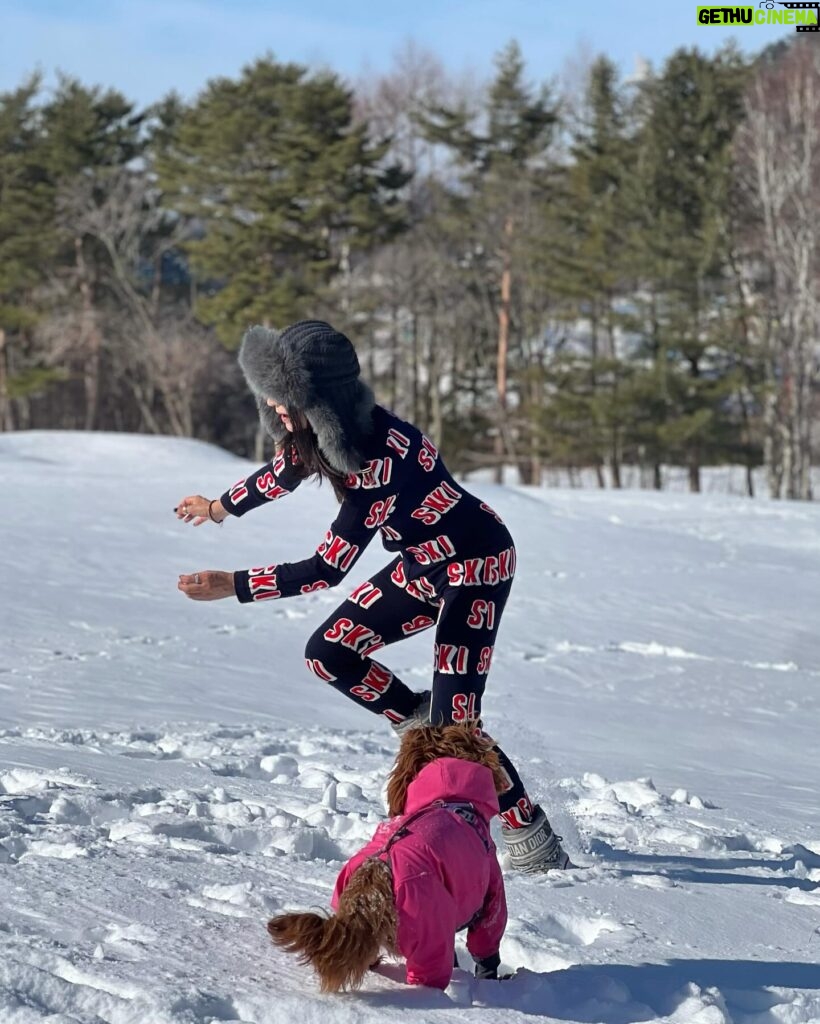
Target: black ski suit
[[454, 566]]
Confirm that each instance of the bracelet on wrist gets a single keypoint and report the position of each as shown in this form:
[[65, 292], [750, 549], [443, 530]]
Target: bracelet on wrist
[[211, 512]]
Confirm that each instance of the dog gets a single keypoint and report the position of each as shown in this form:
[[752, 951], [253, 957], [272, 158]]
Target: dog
[[428, 872]]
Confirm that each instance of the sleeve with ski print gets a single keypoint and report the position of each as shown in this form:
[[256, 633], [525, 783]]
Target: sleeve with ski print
[[334, 558], [274, 480]]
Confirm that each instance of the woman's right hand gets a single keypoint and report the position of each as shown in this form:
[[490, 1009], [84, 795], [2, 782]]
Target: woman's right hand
[[194, 509]]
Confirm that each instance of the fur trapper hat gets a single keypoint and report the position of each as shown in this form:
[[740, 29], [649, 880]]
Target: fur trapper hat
[[311, 368]]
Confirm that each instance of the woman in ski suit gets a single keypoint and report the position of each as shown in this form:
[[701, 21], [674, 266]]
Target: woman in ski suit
[[454, 558]]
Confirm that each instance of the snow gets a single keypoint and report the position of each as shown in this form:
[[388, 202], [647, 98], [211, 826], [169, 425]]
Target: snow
[[170, 774]]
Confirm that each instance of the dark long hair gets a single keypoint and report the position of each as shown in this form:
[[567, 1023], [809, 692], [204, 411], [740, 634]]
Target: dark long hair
[[313, 464]]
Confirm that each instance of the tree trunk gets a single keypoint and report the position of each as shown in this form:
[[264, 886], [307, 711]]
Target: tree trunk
[[803, 426], [415, 381], [6, 419], [694, 472], [615, 460], [91, 339], [615, 439], [503, 348], [693, 458], [394, 358], [771, 454], [144, 397], [435, 422], [536, 463], [746, 437], [371, 361], [593, 383], [659, 358], [806, 491]]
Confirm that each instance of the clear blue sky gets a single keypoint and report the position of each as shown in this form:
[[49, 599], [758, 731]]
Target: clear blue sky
[[147, 47]]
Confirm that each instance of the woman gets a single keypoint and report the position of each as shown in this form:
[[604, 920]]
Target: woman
[[454, 561]]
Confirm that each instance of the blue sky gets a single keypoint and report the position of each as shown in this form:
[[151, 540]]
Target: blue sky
[[147, 47]]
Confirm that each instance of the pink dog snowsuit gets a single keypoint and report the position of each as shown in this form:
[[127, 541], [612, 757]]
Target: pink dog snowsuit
[[445, 872]]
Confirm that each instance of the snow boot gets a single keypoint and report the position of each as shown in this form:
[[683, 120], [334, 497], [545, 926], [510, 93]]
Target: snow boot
[[420, 715], [535, 848]]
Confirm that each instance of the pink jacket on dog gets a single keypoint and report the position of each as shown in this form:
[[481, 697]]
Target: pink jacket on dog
[[445, 871]]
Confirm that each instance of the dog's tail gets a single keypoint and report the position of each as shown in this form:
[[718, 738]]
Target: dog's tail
[[342, 947]]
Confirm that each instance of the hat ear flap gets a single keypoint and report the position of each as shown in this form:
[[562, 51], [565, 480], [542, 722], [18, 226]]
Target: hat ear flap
[[271, 423], [341, 422], [276, 368]]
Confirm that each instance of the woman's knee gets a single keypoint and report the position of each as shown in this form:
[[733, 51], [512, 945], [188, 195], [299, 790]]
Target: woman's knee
[[327, 660]]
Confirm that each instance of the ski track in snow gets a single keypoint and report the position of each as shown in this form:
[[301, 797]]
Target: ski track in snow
[[156, 808]]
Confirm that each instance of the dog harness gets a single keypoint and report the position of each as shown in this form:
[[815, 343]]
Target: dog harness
[[466, 811]]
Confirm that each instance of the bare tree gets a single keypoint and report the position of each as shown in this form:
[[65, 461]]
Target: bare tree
[[157, 351], [403, 283], [6, 419], [779, 157]]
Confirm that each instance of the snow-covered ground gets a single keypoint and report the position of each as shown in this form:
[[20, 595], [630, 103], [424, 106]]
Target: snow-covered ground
[[170, 774]]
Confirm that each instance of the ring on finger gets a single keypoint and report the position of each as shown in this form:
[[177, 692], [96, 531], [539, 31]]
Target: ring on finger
[[197, 579]]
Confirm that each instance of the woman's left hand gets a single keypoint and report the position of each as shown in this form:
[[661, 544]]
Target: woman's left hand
[[209, 585]]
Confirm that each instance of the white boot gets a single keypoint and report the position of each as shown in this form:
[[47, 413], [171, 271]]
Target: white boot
[[535, 848], [420, 715]]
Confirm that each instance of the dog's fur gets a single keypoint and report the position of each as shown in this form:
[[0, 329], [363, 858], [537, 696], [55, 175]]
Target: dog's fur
[[427, 743], [342, 947]]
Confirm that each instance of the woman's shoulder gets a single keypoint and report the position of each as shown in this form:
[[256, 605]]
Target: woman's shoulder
[[383, 416], [396, 443], [395, 449], [394, 432]]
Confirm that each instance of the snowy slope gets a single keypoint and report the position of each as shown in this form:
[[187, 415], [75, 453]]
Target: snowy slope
[[170, 774]]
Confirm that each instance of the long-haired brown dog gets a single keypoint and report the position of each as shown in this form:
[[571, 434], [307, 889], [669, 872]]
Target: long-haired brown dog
[[379, 905]]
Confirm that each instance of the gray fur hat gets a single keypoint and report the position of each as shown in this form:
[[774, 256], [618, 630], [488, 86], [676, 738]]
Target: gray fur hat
[[311, 368]]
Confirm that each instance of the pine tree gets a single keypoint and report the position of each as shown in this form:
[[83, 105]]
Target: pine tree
[[589, 246], [89, 135], [281, 184], [89, 127], [27, 241], [679, 251], [501, 152]]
